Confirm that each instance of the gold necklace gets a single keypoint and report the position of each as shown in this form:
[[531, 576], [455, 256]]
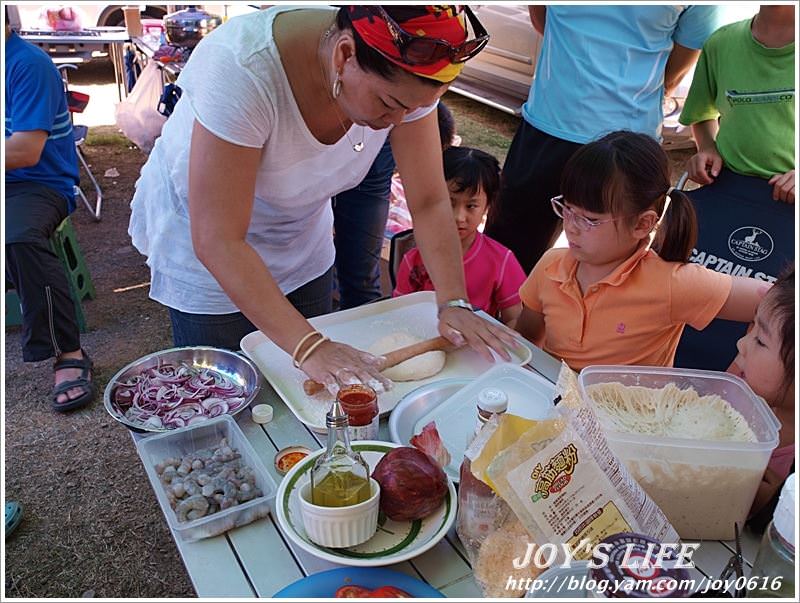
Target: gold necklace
[[357, 146]]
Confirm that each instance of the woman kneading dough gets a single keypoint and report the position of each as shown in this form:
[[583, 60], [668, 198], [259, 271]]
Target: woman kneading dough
[[281, 109]]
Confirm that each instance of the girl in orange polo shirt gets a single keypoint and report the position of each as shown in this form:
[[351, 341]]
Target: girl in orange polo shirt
[[623, 290]]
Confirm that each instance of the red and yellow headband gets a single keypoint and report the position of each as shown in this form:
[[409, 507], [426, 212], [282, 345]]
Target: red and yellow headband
[[440, 22]]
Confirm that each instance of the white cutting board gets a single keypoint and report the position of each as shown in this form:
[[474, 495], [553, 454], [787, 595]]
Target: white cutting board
[[360, 327]]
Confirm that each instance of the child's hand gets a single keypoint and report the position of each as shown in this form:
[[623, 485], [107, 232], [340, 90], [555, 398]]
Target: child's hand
[[783, 187], [704, 166]]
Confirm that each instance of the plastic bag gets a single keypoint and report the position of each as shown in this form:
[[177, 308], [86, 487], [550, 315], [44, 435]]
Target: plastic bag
[[61, 18], [566, 486], [491, 534], [137, 116]]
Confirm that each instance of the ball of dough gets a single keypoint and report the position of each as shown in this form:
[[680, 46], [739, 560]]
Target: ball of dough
[[419, 367]]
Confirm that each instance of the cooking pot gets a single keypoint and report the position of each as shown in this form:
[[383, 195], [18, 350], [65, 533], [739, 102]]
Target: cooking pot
[[187, 27]]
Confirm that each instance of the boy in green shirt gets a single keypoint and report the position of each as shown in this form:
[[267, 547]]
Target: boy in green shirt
[[745, 77], [745, 212]]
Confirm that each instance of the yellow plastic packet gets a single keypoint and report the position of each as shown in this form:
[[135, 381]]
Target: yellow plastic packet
[[499, 433]]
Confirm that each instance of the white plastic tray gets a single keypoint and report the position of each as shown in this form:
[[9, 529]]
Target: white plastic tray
[[360, 327], [529, 395]]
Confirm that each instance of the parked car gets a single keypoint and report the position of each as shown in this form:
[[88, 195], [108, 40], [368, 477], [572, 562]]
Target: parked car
[[111, 15], [501, 75], [91, 15]]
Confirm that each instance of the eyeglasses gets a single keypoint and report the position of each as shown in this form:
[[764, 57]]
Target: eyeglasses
[[421, 50], [583, 223]]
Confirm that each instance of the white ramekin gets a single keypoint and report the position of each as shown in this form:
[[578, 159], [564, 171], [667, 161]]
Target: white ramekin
[[339, 527]]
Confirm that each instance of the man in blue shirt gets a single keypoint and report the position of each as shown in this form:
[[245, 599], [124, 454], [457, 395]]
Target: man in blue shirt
[[41, 171], [601, 68]]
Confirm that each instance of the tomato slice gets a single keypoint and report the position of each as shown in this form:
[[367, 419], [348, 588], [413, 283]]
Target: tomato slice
[[352, 591], [389, 592]]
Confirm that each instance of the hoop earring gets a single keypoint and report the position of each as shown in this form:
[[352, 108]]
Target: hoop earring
[[337, 86]]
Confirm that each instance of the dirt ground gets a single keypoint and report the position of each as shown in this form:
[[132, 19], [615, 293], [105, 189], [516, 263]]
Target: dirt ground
[[92, 524]]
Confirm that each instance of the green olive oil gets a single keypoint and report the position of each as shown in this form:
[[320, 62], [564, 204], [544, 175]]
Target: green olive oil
[[340, 477], [340, 489]]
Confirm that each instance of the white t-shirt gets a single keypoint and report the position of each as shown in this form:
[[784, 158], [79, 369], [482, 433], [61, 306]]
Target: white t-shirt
[[235, 86]]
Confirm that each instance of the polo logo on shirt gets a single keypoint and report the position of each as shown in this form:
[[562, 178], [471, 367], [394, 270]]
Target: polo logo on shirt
[[750, 243], [621, 328], [760, 98]]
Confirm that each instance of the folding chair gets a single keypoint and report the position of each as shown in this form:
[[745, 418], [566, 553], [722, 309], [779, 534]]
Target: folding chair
[[399, 245], [76, 103]]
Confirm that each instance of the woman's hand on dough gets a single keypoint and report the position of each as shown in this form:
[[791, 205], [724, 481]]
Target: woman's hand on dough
[[337, 364], [461, 326]]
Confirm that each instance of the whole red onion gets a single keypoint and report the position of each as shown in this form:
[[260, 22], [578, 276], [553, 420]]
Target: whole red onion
[[412, 485]]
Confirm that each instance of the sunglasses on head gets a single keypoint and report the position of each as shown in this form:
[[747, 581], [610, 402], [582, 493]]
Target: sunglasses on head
[[420, 50]]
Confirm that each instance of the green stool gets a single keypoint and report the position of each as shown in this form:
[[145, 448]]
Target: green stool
[[13, 308], [65, 245]]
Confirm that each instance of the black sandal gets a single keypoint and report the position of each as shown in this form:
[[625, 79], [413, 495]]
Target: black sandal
[[83, 382]]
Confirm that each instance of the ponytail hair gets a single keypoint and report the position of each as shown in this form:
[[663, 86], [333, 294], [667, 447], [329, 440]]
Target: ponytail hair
[[625, 174], [676, 236]]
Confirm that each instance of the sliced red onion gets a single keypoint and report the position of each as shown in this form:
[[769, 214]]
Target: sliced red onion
[[218, 409], [172, 396]]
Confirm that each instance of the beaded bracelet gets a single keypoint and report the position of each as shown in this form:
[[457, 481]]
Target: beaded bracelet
[[300, 343], [311, 349]]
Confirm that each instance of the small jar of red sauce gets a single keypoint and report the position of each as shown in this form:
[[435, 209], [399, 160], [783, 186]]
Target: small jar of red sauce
[[361, 405]]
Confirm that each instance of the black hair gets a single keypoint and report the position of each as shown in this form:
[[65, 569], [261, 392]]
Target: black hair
[[447, 125], [780, 300], [371, 60], [472, 170], [626, 173]]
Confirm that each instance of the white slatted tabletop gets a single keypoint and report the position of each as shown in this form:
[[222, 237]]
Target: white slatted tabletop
[[258, 560]]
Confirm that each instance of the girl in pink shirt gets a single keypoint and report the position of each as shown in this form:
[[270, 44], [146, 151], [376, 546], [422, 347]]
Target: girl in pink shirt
[[766, 362], [493, 275]]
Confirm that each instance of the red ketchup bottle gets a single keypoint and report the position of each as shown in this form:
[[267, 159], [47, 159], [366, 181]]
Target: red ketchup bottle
[[361, 405]]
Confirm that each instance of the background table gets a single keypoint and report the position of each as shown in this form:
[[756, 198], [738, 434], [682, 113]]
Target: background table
[[258, 560], [76, 47], [146, 47]]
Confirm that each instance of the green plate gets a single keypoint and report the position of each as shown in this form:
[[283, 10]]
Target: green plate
[[394, 541]]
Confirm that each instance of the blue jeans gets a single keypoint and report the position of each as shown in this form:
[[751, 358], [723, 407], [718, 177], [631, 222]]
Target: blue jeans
[[359, 223], [227, 330]]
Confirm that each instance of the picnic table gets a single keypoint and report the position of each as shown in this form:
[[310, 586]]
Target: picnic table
[[258, 560]]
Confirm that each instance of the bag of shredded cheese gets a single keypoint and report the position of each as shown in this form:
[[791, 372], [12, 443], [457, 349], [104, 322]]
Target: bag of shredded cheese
[[565, 485]]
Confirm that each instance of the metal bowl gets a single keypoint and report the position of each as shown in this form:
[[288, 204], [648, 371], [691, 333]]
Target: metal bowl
[[234, 366], [418, 403]]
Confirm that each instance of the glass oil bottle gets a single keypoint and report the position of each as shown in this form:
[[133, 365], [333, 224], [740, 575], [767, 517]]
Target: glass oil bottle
[[340, 477]]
